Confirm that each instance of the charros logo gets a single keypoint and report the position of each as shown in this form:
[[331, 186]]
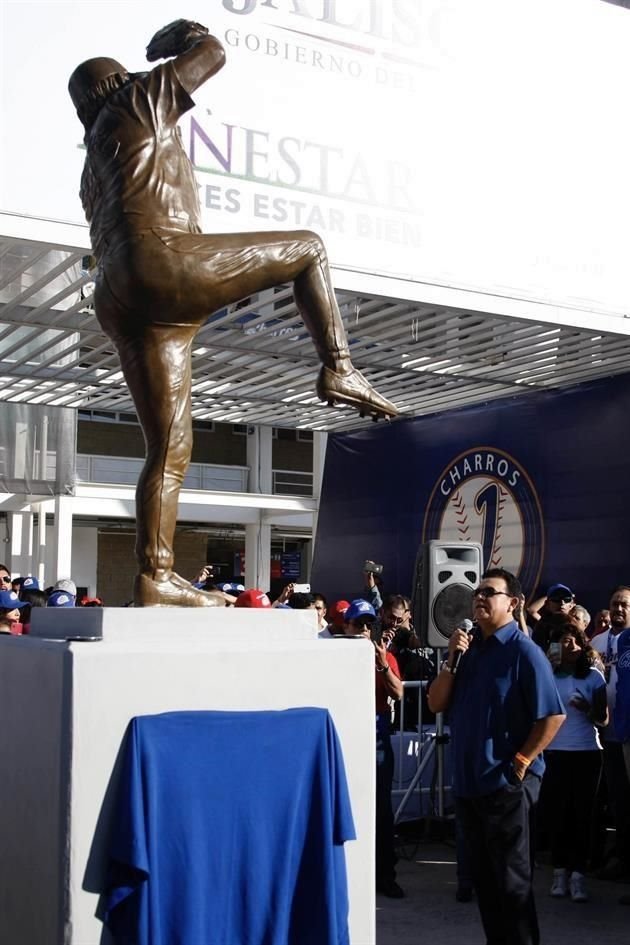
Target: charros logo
[[485, 495]]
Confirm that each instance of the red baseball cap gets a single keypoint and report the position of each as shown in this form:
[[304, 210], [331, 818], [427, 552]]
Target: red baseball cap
[[252, 598], [337, 611]]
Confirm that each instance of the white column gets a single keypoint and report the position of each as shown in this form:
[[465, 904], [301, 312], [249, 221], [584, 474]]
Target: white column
[[40, 545], [43, 448], [258, 535], [85, 558], [307, 561], [258, 556], [320, 441], [259, 446], [62, 538], [21, 530], [21, 451]]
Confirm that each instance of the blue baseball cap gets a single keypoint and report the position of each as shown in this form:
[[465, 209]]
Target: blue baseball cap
[[60, 599], [9, 601], [560, 590], [359, 608], [30, 583]]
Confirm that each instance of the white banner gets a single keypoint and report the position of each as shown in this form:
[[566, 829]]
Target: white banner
[[477, 145]]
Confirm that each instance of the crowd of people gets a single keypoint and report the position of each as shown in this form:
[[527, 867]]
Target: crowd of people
[[591, 659], [532, 711], [540, 723], [19, 595], [574, 759]]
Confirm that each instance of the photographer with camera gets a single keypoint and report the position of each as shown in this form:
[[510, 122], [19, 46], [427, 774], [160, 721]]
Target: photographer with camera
[[360, 618], [401, 641], [373, 584]]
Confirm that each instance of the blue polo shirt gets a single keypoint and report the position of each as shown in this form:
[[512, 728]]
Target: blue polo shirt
[[503, 686], [622, 702]]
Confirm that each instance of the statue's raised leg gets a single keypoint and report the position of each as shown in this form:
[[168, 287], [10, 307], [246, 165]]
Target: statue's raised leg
[[215, 270]]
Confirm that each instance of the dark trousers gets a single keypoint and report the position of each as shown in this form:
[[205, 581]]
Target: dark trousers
[[385, 853], [462, 854], [498, 829], [570, 786], [618, 789]]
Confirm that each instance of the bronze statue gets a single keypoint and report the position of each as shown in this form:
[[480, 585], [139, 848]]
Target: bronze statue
[[158, 276]]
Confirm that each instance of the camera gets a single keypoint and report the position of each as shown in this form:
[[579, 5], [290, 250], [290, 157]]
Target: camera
[[402, 637], [301, 588], [376, 633], [371, 567]]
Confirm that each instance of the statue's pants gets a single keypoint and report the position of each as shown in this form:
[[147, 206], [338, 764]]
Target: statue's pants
[[154, 291]]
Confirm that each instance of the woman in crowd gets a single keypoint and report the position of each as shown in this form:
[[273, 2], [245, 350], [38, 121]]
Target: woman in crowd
[[574, 759], [10, 606], [30, 597]]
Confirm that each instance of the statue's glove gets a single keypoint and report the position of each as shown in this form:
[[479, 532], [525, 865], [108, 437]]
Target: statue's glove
[[174, 39]]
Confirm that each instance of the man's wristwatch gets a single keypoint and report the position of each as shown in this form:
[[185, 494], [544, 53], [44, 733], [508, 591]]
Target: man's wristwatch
[[382, 669], [447, 666]]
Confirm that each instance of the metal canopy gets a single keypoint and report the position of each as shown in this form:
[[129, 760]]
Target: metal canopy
[[254, 363]]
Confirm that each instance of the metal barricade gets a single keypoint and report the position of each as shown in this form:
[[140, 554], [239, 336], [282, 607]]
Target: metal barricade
[[429, 778]]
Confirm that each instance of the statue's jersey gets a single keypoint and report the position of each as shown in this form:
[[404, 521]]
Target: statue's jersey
[[137, 174]]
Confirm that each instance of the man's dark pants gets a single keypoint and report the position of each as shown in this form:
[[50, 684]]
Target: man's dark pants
[[385, 851], [498, 829], [617, 787]]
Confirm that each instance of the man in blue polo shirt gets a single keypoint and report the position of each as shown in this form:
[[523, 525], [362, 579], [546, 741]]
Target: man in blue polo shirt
[[622, 711], [504, 709]]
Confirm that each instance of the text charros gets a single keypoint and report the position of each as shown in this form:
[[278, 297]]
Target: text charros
[[484, 494], [476, 463]]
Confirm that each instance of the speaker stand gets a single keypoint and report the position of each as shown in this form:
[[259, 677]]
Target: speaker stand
[[435, 752]]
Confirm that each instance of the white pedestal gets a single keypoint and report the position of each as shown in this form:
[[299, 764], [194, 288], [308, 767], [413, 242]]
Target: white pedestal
[[65, 707]]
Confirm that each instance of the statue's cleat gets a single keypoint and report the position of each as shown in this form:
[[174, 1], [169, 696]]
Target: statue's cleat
[[353, 389], [171, 590]]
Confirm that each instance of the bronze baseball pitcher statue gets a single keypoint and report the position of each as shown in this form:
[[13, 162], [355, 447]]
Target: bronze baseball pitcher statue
[[158, 277]]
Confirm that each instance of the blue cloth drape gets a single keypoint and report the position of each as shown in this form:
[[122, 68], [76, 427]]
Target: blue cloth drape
[[229, 829]]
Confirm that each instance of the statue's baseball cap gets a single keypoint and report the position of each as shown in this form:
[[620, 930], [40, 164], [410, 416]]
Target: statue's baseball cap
[[87, 77]]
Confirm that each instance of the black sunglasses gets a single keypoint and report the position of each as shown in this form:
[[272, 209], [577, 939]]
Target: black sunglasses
[[5, 578], [486, 592], [561, 600]]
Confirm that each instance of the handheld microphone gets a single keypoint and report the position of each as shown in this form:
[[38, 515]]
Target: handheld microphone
[[466, 625]]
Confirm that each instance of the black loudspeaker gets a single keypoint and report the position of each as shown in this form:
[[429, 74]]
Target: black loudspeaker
[[446, 575]]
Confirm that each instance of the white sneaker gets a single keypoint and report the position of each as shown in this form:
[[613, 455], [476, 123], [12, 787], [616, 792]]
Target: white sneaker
[[578, 888], [559, 887]]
